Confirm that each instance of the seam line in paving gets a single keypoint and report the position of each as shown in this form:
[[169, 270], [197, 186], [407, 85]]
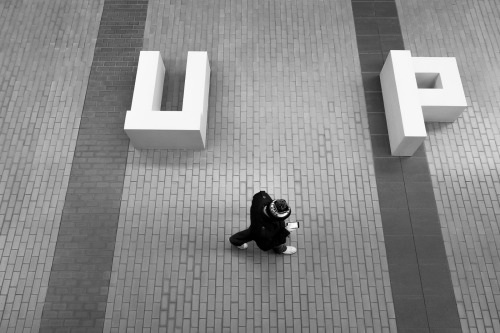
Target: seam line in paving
[[418, 268], [79, 279]]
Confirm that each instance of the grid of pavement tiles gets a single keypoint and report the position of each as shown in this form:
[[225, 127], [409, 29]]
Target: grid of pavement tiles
[[46, 48], [464, 156], [420, 277], [45, 68], [287, 115], [81, 269]]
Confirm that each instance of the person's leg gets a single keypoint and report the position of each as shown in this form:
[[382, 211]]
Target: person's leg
[[240, 238], [283, 249], [280, 249]]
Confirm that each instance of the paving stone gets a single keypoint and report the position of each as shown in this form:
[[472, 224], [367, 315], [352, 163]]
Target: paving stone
[[410, 311], [389, 26], [371, 62], [430, 249], [401, 250], [367, 26], [435, 279], [380, 145], [442, 312], [414, 330], [392, 195], [405, 279], [369, 44], [374, 101], [420, 195], [415, 169], [363, 9], [424, 221], [389, 43], [378, 123], [388, 169], [396, 221], [371, 82], [385, 9]]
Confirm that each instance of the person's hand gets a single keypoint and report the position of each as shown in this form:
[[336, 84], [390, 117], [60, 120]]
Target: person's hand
[[291, 226]]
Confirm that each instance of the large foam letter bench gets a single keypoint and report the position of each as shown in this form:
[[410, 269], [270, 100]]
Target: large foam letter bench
[[418, 89], [148, 127]]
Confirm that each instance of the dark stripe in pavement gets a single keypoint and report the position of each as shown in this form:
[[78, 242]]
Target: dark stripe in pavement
[[79, 281], [420, 277]]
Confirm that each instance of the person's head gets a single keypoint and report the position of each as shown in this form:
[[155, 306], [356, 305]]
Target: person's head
[[279, 209]]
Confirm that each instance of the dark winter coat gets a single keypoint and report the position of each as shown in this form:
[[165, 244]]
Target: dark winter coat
[[266, 232]]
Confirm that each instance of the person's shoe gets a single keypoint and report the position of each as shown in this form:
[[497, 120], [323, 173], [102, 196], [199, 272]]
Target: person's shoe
[[290, 250], [243, 246]]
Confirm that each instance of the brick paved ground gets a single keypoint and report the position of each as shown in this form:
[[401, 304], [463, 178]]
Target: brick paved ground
[[418, 267], [285, 62], [79, 281], [46, 48], [464, 156], [287, 115]]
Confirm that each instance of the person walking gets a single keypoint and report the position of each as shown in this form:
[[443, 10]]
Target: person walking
[[267, 225]]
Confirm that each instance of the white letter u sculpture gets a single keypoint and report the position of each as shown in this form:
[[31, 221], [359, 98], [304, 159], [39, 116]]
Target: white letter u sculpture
[[150, 128]]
